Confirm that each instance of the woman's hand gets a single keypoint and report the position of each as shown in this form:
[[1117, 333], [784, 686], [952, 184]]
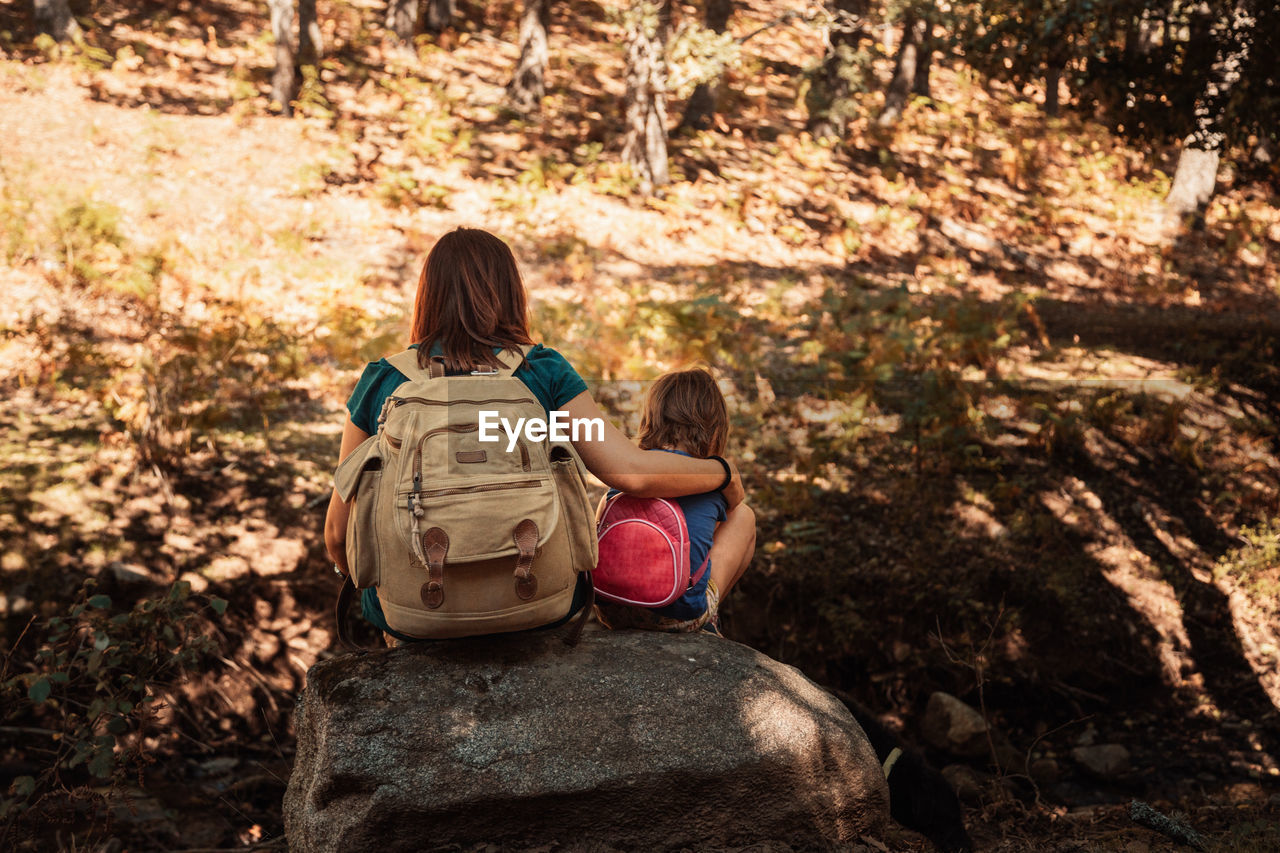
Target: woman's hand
[[621, 465], [335, 519], [734, 493]]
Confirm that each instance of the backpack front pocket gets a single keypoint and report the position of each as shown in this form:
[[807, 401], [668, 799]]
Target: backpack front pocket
[[479, 518]]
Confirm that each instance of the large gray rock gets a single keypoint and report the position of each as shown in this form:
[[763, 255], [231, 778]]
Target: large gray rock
[[631, 741]]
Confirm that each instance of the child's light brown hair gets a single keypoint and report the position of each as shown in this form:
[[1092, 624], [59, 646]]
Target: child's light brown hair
[[685, 411]]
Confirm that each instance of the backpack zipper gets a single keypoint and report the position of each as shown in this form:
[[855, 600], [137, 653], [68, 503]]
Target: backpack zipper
[[400, 401], [491, 487]]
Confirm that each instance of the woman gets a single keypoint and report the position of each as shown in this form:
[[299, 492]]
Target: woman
[[470, 306]]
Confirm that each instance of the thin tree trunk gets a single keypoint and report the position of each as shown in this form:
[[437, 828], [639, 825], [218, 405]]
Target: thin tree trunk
[[1197, 172], [53, 17], [283, 84], [702, 103], [644, 147], [1052, 76], [830, 100], [402, 19], [439, 15], [528, 86], [924, 62], [904, 71], [310, 42], [1195, 178]]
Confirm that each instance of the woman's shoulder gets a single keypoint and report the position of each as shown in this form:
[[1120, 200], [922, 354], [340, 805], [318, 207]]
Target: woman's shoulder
[[551, 376], [543, 355], [378, 380]]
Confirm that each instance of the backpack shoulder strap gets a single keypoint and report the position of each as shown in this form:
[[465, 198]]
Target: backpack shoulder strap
[[407, 363], [510, 362]]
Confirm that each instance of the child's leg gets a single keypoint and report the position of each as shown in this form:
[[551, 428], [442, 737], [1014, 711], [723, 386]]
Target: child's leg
[[732, 547]]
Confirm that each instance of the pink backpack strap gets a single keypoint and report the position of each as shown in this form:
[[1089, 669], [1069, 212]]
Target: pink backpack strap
[[697, 576]]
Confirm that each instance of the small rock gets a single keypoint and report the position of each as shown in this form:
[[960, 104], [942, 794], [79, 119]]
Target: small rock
[[1045, 772], [952, 725], [1108, 759], [218, 766], [126, 573], [965, 781], [1010, 759]]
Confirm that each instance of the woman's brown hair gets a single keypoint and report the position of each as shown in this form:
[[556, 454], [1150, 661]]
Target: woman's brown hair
[[685, 411], [470, 300]]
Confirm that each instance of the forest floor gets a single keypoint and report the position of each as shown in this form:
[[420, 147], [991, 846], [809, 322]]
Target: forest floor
[[1011, 435]]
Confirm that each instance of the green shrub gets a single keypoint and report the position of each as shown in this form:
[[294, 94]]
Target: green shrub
[[94, 683], [1255, 565]]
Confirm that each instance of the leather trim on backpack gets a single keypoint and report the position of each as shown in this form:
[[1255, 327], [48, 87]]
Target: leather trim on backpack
[[526, 538], [435, 544]]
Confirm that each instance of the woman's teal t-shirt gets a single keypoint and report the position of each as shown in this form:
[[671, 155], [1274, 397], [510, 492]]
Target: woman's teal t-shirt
[[545, 372]]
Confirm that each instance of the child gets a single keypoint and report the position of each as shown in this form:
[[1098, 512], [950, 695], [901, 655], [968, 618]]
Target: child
[[685, 413]]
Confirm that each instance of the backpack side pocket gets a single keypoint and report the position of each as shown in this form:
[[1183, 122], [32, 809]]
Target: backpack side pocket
[[357, 481], [576, 514]]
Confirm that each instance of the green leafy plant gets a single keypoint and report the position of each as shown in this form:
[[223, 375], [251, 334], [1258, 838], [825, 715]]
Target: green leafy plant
[[1256, 563], [94, 685]]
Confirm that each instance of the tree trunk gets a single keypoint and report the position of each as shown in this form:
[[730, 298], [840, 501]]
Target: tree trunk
[[310, 42], [905, 69], [702, 103], [283, 88], [830, 98], [1196, 175], [527, 87], [53, 18], [644, 147], [1052, 76], [1194, 180], [402, 19], [439, 15], [924, 62]]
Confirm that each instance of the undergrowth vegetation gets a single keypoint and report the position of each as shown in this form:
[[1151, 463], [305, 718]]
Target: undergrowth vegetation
[[999, 441], [93, 697]]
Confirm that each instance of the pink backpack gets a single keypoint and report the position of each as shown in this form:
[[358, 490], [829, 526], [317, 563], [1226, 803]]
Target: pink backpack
[[644, 552]]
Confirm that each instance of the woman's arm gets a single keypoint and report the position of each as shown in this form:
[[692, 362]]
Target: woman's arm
[[647, 473], [335, 520]]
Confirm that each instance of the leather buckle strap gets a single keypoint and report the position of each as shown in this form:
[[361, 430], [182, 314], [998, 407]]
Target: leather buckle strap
[[525, 536], [575, 633], [435, 544], [436, 366], [346, 595]]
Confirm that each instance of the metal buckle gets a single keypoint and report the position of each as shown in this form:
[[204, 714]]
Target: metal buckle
[[488, 371]]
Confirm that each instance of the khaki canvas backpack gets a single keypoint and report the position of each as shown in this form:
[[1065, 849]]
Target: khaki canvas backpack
[[461, 537]]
